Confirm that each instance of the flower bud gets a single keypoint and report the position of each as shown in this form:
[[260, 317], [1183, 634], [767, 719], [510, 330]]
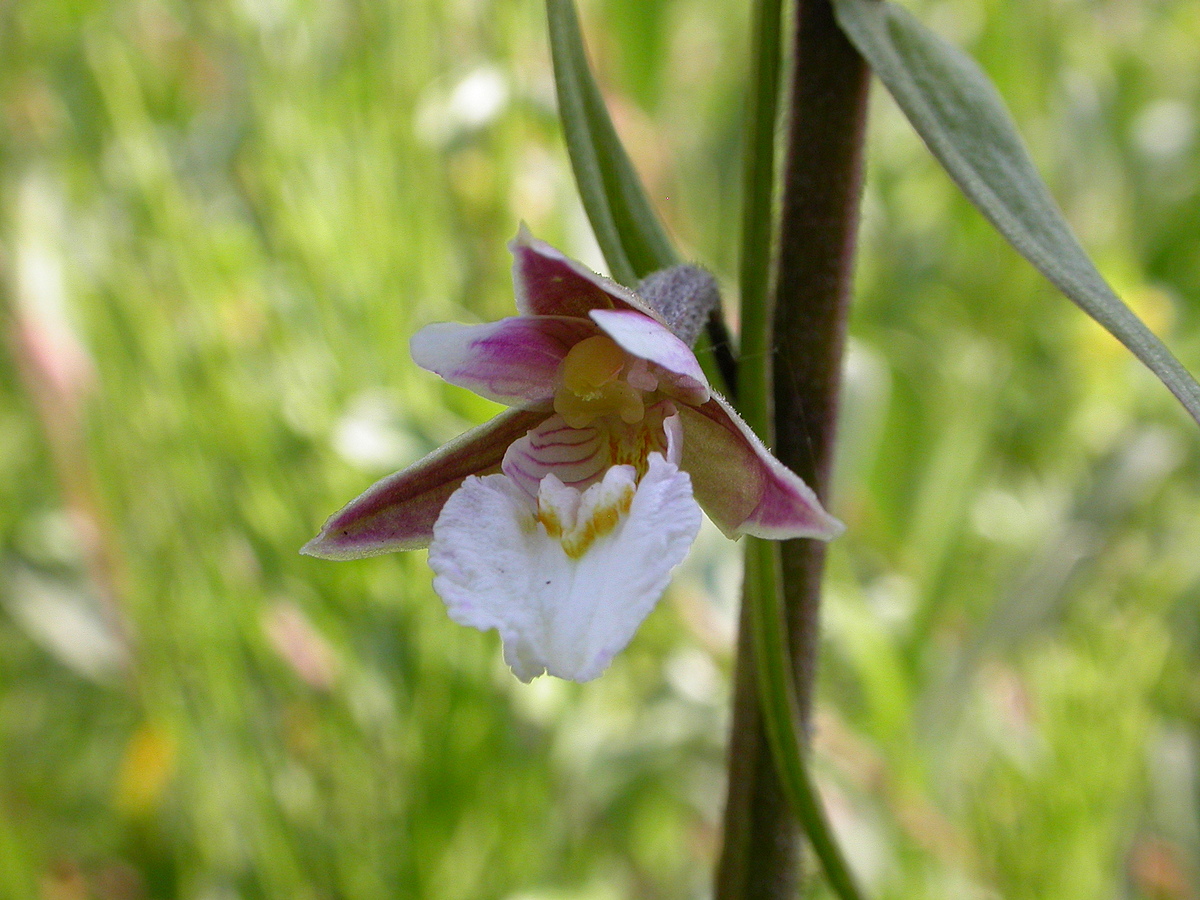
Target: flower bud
[[683, 296]]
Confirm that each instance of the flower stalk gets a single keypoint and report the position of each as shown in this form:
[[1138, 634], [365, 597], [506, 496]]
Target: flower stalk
[[803, 338]]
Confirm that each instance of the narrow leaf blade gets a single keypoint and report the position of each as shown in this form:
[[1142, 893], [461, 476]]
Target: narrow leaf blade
[[630, 234], [781, 715], [571, 77], [961, 117]]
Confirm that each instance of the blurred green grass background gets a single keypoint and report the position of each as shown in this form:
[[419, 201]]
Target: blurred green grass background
[[220, 222]]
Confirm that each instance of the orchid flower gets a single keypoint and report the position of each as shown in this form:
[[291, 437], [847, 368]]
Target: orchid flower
[[558, 522]]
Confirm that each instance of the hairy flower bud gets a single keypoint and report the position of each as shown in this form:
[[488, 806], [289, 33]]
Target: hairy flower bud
[[683, 296]]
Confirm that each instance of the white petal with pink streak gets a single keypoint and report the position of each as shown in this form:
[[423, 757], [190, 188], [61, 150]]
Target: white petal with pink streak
[[579, 457], [513, 361]]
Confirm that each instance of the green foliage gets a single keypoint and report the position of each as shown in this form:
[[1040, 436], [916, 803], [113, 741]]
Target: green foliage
[[955, 108], [250, 206], [627, 228]]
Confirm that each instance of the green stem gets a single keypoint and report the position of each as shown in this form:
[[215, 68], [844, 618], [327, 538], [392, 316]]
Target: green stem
[[822, 183], [758, 183], [778, 647], [753, 792]]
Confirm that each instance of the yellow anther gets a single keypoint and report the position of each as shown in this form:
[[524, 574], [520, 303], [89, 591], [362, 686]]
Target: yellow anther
[[592, 362], [576, 412], [592, 386], [616, 397]]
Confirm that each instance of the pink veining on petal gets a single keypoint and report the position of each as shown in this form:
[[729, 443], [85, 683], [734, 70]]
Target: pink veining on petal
[[646, 339], [579, 457], [742, 487], [549, 283], [398, 513], [512, 361], [576, 456]]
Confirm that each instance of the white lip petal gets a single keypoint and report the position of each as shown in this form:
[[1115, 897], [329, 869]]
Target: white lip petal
[[566, 582]]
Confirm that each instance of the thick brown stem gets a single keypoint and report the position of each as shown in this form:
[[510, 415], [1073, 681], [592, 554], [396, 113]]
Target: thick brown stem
[[822, 180], [821, 192]]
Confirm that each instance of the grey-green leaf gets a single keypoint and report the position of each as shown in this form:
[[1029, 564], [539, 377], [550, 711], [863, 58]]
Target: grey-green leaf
[[961, 117], [629, 232]]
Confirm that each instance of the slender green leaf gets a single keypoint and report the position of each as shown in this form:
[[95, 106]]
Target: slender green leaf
[[629, 232], [777, 693], [707, 357], [961, 117], [572, 78]]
